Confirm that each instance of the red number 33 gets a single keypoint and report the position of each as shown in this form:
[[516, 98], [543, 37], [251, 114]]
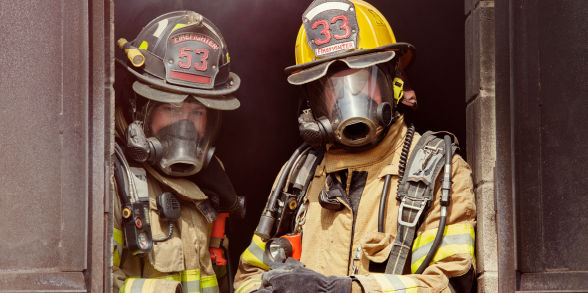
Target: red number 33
[[186, 58], [326, 31]]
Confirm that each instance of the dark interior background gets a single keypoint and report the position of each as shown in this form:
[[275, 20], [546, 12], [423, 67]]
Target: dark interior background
[[259, 137]]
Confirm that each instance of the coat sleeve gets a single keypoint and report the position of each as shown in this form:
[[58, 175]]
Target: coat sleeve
[[455, 255], [251, 265], [118, 275], [253, 261]]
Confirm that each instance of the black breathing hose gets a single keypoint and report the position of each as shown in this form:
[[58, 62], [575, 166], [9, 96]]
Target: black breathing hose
[[401, 167], [276, 192], [265, 227], [445, 193]]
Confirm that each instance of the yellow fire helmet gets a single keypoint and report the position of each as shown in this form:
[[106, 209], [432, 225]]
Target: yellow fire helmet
[[351, 31]]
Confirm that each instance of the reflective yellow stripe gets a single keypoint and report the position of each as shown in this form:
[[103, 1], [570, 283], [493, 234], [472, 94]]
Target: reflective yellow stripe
[[255, 252], [396, 283], [117, 236], [248, 285], [191, 281], [126, 287], [209, 284], [209, 281], [457, 239], [190, 275], [115, 257], [174, 277], [144, 45]]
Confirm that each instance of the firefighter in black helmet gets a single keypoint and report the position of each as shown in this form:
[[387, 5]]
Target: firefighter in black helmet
[[173, 194]]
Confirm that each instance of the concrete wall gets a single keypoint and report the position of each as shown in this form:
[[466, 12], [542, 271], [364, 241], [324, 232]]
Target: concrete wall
[[481, 133], [55, 91]]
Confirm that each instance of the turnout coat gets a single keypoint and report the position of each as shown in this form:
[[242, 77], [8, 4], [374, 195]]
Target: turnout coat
[[347, 242]]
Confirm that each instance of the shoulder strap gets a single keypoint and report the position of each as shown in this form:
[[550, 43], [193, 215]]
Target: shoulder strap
[[132, 191], [415, 194], [288, 192]]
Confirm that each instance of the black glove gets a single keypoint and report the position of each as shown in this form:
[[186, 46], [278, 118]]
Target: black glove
[[292, 276]]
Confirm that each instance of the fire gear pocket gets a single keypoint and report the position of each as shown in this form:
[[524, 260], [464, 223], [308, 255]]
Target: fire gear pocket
[[376, 246], [166, 256]]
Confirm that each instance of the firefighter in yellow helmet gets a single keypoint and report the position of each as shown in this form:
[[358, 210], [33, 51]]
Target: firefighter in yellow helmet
[[366, 204], [173, 195]]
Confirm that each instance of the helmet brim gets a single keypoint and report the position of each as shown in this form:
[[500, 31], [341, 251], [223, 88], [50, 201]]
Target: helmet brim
[[307, 72], [231, 86], [354, 62], [222, 102]]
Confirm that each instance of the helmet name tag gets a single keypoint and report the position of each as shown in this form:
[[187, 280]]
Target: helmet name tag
[[331, 27], [194, 37], [334, 48]]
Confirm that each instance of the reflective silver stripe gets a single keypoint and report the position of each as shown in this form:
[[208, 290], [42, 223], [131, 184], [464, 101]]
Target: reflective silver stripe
[[396, 283], [422, 251], [191, 286], [249, 284], [137, 286], [210, 289], [256, 251], [255, 254]]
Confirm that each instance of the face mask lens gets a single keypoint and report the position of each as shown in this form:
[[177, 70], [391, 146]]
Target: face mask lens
[[357, 102], [354, 83], [186, 131]]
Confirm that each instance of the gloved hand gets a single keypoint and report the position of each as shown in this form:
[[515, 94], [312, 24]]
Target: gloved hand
[[292, 276]]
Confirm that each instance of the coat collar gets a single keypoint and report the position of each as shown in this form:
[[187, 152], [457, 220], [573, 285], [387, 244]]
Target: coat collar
[[340, 159], [184, 188]]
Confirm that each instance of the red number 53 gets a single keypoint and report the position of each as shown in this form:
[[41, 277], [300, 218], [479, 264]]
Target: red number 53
[[186, 56], [326, 31]]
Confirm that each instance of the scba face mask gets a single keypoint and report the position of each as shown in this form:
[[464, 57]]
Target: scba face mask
[[350, 107], [175, 137]]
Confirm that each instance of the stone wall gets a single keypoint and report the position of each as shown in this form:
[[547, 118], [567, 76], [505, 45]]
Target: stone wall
[[481, 133]]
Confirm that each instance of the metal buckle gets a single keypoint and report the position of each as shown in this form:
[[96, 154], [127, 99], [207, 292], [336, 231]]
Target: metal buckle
[[419, 210], [429, 151]]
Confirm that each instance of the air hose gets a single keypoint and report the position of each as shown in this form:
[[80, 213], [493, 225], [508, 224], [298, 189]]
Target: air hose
[[401, 167], [266, 222]]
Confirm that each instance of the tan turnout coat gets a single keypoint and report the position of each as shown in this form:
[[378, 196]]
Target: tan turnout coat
[[183, 259], [333, 243]]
